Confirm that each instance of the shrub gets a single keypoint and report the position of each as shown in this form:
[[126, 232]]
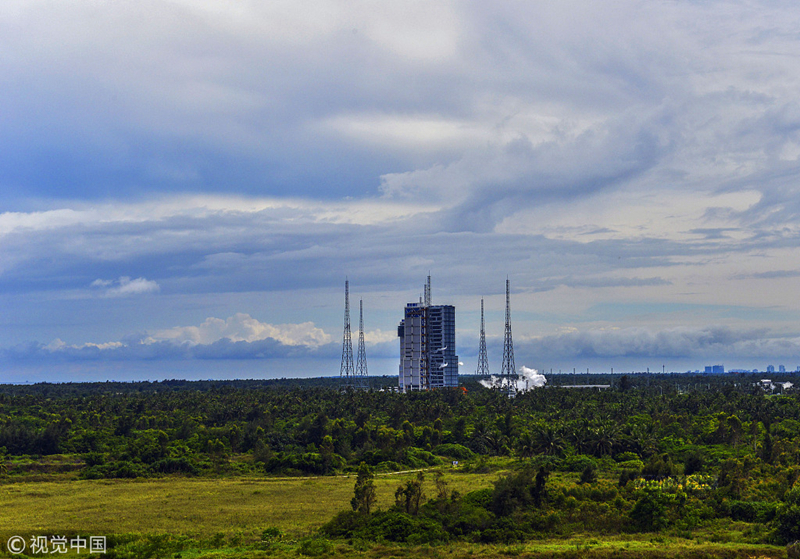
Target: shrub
[[271, 534], [659, 466], [693, 463], [752, 511], [306, 463], [480, 498], [626, 457], [466, 519], [345, 524], [314, 547], [787, 521], [649, 514], [636, 465], [506, 530], [402, 527], [588, 475], [517, 490], [452, 450], [172, 465], [419, 458], [578, 463]]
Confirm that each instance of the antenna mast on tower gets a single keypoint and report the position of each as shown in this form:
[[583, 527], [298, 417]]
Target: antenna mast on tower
[[483, 359], [362, 377], [508, 374], [428, 292], [347, 370]]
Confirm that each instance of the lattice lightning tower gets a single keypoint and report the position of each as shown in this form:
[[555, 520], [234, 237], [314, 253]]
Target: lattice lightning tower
[[483, 359], [347, 371], [362, 376], [508, 374]]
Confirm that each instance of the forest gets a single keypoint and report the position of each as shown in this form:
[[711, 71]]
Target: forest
[[663, 455]]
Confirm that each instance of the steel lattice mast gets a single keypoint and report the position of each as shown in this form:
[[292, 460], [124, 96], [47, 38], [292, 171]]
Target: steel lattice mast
[[508, 374], [428, 292], [347, 371], [424, 361], [362, 376], [483, 359]]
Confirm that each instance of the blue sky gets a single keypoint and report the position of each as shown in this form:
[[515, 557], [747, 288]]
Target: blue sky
[[185, 185]]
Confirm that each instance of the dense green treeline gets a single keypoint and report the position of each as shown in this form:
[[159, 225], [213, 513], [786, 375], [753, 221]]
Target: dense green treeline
[[320, 430], [651, 453]]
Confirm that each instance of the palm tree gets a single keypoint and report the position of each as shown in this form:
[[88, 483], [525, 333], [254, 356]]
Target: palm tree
[[604, 440], [525, 445], [548, 440]]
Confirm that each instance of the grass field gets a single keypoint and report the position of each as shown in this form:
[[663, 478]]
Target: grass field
[[193, 518], [196, 507]]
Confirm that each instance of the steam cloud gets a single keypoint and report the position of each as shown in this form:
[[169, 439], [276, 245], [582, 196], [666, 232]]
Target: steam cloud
[[527, 379]]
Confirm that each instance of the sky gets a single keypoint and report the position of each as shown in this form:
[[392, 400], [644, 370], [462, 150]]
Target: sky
[[186, 185]]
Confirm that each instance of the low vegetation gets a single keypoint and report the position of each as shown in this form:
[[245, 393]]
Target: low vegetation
[[655, 466]]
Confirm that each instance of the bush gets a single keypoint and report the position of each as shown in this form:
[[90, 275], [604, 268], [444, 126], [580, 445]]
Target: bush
[[121, 469], [480, 498], [314, 547], [636, 465], [627, 475], [402, 527], [578, 463], [467, 519], [518, 490], [626, 457], [659, 466], [175, 465], [345, 524], [305, 463], [418, 458], [649, 514], [787, 521], [693, 463], [271, 534], [456, 451], [589, 475], [505, 530], [753, 511]]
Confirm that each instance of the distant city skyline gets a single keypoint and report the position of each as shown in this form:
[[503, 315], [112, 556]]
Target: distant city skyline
[[185, 186]]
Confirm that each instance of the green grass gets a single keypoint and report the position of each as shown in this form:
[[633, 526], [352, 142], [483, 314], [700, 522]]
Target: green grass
[[222, 518], [196, 507]]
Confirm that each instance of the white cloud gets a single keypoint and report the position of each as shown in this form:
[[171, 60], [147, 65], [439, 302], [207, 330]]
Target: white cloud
[[644, 152], [125, 286], [243, 328]]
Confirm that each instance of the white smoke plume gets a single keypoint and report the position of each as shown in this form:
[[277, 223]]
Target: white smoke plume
[[527, 379]]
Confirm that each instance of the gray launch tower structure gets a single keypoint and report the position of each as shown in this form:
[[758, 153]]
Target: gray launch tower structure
[[427, 345]]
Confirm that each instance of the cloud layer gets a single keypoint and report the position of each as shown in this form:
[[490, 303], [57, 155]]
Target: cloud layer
[[125, 286], [634, 169]]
